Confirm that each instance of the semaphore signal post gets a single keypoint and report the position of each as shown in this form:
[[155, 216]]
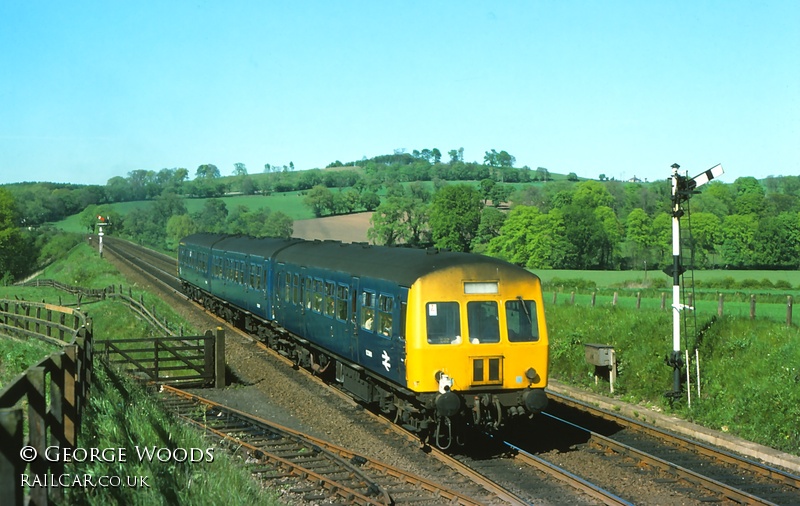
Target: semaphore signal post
[[682, 189]]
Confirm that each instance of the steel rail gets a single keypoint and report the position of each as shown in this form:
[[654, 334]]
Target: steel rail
[[680, 472]]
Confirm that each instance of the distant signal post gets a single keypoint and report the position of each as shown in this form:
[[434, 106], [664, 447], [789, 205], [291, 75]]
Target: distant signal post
[[682, 189], [101, 223]]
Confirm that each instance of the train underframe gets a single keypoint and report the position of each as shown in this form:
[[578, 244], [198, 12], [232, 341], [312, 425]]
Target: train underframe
[[441, 419]]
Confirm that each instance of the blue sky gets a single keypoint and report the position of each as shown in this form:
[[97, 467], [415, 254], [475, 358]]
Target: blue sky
[[93, 90]]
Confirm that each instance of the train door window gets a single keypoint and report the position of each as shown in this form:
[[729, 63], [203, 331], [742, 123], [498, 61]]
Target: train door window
[[342, 296], [317, 298], [287, 287], [484, 325], [259, 277], [385, 308], [521, 320], [308, 293], [368, 311], [443, 320], [296, 298], [330, 298]]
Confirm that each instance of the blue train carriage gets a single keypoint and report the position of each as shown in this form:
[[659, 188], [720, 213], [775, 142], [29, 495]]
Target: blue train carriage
[[456, 334], [341, 298], [236, 274]]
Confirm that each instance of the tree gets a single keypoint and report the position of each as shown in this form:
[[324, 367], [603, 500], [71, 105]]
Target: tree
[[455, 216], [738, 246], [13, 256], [207, 171], [491, 223], [705, 229], [178, 227], [591, 194], [388, 222], [638, 235], [320, 200], [239, 169], [211, 218]]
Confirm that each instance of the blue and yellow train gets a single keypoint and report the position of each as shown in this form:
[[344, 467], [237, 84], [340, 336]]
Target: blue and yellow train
[[443, 341]]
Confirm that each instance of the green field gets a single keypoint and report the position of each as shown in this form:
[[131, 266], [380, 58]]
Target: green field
[[657, 279]]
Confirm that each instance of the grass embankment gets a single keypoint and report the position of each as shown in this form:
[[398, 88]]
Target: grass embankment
[[750, 370], [121, 414]]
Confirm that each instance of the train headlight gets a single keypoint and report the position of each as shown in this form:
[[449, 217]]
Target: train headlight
[[532, 375], [445, 382]]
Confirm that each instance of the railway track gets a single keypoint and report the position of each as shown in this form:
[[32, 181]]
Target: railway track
[[713, 472], [674, 465], [315, 469]]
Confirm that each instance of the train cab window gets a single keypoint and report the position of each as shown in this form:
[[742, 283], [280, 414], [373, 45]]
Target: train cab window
[[316, 302], [329, 298], [385, 308], [484, 324], [342, 296], [368, 311], [443, 320], [521, 321]]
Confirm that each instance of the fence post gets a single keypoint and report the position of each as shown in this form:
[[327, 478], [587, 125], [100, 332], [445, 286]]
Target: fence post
[[789, 301], [720, 304], [555, 295], [56, 423], [11, 465], [572, 298], [219, 358], [638, 300], [37, 429], [753, 306], [70, 399], [663, 301], [594, 298], [614, 300]]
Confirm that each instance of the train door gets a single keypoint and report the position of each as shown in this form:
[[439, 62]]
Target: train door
[[353, 324], [278, 292], [399, 335]]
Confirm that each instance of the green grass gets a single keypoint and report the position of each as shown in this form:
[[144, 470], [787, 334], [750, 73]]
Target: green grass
[[289, 203], [120, 413], [123, 415], [750, 370], [657, 279], [17, 355]]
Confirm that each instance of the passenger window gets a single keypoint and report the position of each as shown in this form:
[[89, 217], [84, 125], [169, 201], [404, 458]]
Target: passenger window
[[484, 325], [368, 311], [443, 321], [329, 298], [342, 294], [317, 302], [521, 321], [385, 307]]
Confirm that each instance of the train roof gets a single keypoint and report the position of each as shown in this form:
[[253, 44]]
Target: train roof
[[265, 247], [399, 264]]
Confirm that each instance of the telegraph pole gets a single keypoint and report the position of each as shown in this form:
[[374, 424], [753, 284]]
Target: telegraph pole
[[682, 189]]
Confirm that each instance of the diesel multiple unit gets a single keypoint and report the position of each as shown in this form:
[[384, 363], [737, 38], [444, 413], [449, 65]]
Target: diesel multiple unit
[[442, 341]]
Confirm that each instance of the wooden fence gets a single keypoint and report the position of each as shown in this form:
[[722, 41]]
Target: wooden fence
[[665, 305], [187, 361], [86, 295], [55, 391]]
